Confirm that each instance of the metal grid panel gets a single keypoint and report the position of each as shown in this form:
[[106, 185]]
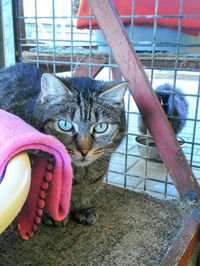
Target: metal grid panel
[[47, 35]]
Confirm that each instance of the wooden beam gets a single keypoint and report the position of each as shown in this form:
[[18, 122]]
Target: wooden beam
[[82, 70], [161, 60], [185, 243], [116, 74], [145, 98]]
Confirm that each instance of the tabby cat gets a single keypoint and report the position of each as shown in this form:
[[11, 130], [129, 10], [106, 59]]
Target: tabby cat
[[86, 115]]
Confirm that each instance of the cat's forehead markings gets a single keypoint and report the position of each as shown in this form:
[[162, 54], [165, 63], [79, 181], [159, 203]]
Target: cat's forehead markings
[[81, 105]]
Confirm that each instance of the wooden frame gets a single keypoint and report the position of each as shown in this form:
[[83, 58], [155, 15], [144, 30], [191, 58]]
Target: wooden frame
[[84, 70], [161, 60], [181, 250]]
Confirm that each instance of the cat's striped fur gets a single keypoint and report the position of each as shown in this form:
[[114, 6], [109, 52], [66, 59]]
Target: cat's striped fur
[[86, 115]]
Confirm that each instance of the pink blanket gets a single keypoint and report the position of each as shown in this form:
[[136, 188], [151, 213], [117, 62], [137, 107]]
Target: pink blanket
[[50, 185]]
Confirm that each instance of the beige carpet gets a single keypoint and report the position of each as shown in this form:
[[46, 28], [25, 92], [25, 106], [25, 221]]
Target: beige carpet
[[133, 229]]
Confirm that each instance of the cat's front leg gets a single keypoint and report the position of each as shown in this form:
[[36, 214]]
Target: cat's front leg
[[82, 211]]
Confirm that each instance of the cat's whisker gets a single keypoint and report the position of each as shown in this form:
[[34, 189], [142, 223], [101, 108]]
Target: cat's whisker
[[108, 150]]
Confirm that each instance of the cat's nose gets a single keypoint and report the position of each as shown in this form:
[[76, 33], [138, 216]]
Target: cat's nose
[[84, 152]]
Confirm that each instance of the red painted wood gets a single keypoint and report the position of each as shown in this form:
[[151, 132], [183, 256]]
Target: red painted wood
[[144, 96], [185, 242], [82, 70], [116, 74]]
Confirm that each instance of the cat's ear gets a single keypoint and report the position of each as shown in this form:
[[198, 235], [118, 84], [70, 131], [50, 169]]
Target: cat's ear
[[51, 85], [115, 94]]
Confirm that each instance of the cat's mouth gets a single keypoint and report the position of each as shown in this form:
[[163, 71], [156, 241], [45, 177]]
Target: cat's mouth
[[83, 160], [79, 160]]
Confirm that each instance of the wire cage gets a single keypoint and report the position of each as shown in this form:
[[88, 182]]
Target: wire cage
[[58, 36]]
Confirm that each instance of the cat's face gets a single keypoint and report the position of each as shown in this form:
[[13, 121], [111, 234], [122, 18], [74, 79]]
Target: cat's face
[[84, 114]]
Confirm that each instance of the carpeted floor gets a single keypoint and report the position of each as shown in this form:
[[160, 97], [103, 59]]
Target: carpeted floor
[[133, 229]]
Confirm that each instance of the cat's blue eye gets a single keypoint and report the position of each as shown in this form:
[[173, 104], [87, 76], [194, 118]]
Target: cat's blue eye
[[65, 125], [101, 127]]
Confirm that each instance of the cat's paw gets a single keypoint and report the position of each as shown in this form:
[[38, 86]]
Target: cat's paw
[[86, 216], [46, 219]]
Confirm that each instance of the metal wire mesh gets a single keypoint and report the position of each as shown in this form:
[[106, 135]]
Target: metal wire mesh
[[46, 35]]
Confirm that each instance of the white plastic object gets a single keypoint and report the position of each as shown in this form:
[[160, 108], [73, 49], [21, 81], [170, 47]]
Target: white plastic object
[[14, 188]]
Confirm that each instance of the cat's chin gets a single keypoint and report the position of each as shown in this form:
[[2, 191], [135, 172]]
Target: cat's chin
[[81, 163]]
